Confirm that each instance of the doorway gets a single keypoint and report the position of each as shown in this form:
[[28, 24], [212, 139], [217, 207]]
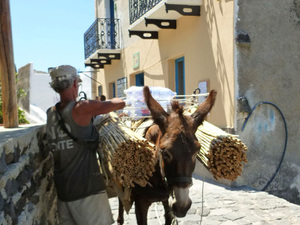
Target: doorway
[[180, 76], [112, 90], [139, 79]]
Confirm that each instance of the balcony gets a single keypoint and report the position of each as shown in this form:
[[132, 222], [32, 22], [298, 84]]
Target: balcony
[[147, 17], [138, 8], [102, 43]]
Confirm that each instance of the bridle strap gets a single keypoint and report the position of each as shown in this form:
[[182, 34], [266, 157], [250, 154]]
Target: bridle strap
[[174, 180], [180, 180], [161, 164], [162, 167]]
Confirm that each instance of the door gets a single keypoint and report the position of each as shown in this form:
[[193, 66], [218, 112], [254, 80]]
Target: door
[[114, 89], [139, 79], [112, 24], [179, 76]]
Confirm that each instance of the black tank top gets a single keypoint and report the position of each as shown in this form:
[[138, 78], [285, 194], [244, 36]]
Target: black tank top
[[76, 170]]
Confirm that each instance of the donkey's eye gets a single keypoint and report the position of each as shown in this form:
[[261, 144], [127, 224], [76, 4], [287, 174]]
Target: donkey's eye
[[167, 156]]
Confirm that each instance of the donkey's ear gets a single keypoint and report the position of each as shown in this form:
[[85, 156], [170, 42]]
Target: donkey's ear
[[203, 109], [159, 115]]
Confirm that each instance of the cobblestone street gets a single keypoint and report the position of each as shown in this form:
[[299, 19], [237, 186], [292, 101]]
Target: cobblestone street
[[223, 206]]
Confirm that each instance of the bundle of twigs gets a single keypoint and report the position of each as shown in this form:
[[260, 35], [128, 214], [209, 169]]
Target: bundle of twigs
[[222, 153], [133, 162], [125, 156]]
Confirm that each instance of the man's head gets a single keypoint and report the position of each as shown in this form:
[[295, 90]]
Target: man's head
[[102, 98], [63, 77]]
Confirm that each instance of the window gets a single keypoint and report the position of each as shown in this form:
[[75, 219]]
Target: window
[[121, 86], [100, 91]]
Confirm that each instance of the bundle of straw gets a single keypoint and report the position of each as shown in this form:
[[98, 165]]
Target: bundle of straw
[[125, 156], [221, 153]]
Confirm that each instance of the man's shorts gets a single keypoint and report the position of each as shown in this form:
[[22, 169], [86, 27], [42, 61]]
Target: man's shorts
[[92, 210]]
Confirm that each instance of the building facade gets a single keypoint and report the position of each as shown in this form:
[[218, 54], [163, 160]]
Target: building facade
[[174, 57], [240, 48]]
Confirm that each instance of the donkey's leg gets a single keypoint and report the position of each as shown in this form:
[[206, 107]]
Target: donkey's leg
[[168, 213], [120, 219], [141, 210]]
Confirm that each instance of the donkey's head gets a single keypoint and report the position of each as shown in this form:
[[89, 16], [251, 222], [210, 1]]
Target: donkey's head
[[178, 146]]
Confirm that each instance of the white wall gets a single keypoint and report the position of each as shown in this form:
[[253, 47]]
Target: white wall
[[41, 94], [86, 84]]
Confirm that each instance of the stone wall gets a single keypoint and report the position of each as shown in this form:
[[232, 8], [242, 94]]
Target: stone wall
[[28, 195], [267, 70]]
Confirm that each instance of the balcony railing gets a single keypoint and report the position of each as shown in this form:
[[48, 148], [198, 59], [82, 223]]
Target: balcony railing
[[137, 8], [102, 34]]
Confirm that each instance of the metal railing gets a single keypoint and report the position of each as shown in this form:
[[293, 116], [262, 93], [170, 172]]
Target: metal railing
[[102, 34], [137, 8]]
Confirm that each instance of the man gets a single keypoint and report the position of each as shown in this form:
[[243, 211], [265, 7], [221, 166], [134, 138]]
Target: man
[[73, 139]]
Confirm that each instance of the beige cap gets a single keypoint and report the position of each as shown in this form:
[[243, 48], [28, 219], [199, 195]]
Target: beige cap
[[64, 72]]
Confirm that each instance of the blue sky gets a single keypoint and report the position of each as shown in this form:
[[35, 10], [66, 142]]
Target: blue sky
[[49, 33]]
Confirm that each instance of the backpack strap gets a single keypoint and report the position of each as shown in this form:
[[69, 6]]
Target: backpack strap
[[62, 124]]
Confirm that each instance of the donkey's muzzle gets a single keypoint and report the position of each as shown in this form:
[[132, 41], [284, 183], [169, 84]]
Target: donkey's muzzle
[[180, 210]]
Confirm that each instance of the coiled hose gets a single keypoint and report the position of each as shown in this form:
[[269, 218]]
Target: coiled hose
[[286, 136]]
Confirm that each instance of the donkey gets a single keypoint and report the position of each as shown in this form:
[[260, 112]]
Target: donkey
[[176, 148]]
